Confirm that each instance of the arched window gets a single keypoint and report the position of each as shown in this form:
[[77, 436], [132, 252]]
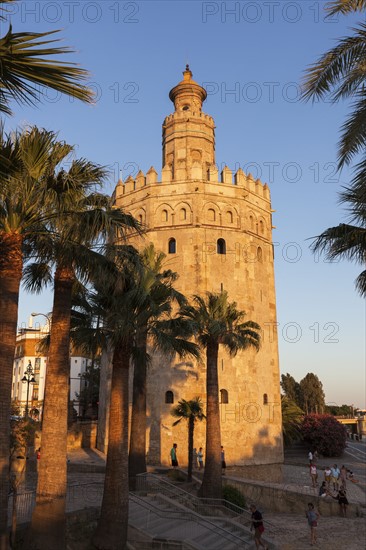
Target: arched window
[[224, 397], [164, 215], [229, 217], [211, 215], [251, 222], [183, 214], [221, 246], [169, 397], [261, 227], [172, 246], [140, 218], [265, 399], [259, 254]]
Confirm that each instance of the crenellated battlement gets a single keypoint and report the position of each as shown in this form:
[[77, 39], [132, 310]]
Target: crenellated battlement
[[195, 173], [188, 115]]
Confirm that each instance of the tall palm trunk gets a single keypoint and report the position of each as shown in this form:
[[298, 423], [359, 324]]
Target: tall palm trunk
[[191, 421], [49, 522], [137, 455], [111, 532], [11, 263], [212, 484]]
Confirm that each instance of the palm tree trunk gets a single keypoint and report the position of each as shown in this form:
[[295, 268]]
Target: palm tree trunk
[[111, 532], [48, 521], [190, 446], [11, 264], [212, 484], [137, 455]]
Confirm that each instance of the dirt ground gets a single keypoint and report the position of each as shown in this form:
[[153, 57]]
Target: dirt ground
[[291, 532]]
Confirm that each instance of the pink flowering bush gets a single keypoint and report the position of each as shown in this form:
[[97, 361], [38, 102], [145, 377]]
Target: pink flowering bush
[[324, 433]]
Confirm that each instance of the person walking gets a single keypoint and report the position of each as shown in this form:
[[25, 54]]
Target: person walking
[[223, 462], [310, 457], [312, 516], [335, 476], [342, 501], [173, 455], [257, 525], [313, 474], [200, 458]]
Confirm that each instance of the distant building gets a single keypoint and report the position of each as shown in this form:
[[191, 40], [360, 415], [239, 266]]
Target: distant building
[[27, 351]]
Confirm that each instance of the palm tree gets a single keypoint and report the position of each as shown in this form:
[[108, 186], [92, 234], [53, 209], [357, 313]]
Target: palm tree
[[191, 411], [348, 241], [82, 219], [120, 298], [24, 160], [25, 64], [156, 298], [216, 322], [292, 417], [341, 74]]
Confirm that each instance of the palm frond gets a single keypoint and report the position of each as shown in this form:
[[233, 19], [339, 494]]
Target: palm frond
[[344, 6], [36, 277], [340, 72], [343, 241], [354, 130], [24, 67]]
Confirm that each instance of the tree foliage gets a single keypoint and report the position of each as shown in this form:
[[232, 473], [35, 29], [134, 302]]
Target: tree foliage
[[324, 433], [291, 388], [191, 411], [27, 64], [340, 73], [292, 417], [312, 394]]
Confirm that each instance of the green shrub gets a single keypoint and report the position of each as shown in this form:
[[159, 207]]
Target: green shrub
[[176, 475], [233, 495]]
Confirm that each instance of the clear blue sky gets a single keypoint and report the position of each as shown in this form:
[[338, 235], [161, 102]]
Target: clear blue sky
[[250, 56]]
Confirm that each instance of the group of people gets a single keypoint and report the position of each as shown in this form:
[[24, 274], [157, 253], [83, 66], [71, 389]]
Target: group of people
[[197, 457], [334, 478]]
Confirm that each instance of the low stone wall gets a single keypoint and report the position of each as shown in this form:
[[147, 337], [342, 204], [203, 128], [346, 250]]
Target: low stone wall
[[258, 472], [279, 498]]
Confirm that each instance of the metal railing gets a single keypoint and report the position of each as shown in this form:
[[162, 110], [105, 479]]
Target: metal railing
[[205, 506], [191, 517]]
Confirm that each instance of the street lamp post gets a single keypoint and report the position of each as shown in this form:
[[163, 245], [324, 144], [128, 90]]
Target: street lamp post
[[28, 378], [43, 315]]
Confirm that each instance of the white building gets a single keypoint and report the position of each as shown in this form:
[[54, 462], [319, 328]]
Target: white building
[[27, 352]]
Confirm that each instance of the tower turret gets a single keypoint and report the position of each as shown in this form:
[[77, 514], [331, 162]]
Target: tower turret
[[188, 133]]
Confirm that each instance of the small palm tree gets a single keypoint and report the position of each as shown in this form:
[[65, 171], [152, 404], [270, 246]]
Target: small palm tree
[[25, 64], [292, 417], [191, 411], [217, 322]]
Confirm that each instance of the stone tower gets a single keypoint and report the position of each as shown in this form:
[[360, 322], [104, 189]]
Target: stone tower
[[216, 231]]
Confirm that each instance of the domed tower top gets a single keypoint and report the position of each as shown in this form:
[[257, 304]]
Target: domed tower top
[[188, 95], [188, 133]]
